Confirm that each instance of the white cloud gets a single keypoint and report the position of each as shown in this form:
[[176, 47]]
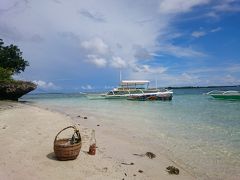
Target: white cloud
[[216, 29], [95, 16], [229, 79], [184, 79], [227, 6], [87, 87], [45, 85], [198, 34], [175, 35], [180, 51], [118, 62], [179, 6], [149, 69], [227, 76], [223, 6], [95, 45], [99, 62], [165, 79], [212, 15], [142, 53], [187, 77], [232, 68], [201, 33]]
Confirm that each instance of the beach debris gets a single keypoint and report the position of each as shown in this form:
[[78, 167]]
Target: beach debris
[[5, 126], [125, 174], [128, 163], [140, 171], [172, 170], [84, 117], [148, 154], [98, 125], [105, 169], [139, 155], [134, 174]]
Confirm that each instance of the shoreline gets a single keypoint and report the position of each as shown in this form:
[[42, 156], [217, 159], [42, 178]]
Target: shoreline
[[42, 124]]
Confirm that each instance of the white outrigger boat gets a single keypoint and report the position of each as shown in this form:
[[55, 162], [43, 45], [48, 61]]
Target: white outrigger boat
[[137, 90], [232, 95]]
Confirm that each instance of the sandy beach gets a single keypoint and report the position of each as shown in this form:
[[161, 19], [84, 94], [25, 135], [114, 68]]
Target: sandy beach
[[27, 134]]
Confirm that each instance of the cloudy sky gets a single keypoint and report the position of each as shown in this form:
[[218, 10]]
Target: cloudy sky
[[79, 45]]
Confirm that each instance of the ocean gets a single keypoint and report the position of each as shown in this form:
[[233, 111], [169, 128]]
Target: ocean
[[195, 130]]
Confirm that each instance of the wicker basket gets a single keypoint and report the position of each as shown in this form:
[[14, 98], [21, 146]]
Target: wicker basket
[[68, 149]]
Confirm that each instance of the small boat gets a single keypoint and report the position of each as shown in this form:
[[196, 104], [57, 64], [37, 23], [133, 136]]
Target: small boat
[[231, 95], [137, 90]]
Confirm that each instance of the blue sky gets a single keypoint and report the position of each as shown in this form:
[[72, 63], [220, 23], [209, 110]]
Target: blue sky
[[79, 45]]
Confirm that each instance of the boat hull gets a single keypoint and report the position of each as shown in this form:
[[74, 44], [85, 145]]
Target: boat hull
[[150, 98], [142, 97], [115, 97], [231, 97]]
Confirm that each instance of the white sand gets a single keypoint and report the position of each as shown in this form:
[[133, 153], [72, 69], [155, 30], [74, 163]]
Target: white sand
[[27, 134]]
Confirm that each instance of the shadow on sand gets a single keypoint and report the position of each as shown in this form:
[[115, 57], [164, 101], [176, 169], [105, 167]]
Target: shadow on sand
[[52, 156]]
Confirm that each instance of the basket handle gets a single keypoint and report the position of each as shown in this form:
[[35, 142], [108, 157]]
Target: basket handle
[[76, 131]]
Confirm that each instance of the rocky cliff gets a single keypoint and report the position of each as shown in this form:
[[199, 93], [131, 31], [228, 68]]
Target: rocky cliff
[[15, 89]]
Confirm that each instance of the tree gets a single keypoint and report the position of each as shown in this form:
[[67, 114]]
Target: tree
[[11, 58], [5, 75]]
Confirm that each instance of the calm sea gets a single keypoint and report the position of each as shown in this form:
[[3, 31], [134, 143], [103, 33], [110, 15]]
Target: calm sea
[[199, 131]]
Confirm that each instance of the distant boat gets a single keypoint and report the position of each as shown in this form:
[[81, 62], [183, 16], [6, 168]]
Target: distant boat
[[133, 90], [231, 95]]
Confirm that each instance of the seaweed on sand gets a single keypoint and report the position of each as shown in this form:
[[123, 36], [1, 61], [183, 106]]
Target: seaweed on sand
[[172, 170]]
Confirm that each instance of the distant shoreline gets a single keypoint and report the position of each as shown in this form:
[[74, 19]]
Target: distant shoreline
[[198, 87]]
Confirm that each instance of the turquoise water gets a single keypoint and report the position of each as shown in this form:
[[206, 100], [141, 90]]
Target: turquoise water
[[200, 132]]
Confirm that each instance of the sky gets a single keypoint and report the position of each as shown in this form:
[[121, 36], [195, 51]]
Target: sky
[[79, 45]]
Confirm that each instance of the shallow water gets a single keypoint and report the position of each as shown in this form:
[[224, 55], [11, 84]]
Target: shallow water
[[197, 130]]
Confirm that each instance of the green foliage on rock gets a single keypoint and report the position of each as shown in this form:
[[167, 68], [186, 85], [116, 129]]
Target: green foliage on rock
[[5, 74], [11, 60]]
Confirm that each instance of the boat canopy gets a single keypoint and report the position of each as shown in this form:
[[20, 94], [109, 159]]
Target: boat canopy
[[133, 82]]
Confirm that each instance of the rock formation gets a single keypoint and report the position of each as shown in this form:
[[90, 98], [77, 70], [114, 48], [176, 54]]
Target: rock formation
[[15, 89]]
